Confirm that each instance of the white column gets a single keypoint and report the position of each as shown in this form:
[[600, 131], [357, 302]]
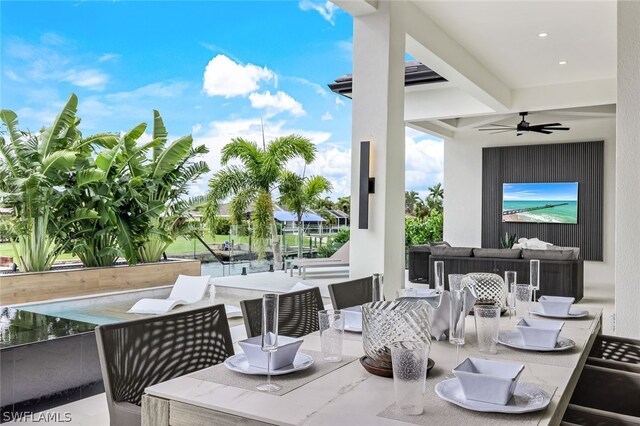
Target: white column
[[627, 280], [378, 117]]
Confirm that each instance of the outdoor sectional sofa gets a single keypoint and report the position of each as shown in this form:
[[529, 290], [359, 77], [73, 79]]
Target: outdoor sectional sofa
[[561, 271]]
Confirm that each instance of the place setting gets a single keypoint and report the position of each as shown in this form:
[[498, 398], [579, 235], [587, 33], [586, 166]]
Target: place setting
[[558, 307], [271, 354]]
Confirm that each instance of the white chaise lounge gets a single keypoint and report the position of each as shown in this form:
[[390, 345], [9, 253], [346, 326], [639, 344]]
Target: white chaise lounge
[[339, 258]]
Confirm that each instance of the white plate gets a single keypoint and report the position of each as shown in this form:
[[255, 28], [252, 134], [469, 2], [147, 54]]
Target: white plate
[[527, 397], [574, 312], [240, 364], [514, 340]]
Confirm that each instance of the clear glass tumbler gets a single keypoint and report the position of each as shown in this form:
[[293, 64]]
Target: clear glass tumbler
[[455, 281], [522, 299], [487, 324], [331, 334], [456, 317], [409, 360]]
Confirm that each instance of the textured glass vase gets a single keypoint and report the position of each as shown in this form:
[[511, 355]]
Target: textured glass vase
[[489, 287], [394, 321]]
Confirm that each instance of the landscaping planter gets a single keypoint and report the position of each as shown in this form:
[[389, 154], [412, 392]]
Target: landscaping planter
[[36, 286]]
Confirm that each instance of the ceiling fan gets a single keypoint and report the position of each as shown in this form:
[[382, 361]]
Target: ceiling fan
[[523, 127]]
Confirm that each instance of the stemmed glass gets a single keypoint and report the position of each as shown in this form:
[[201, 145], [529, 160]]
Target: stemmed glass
[[269, 337], [439, 273], [534, 276], [457, 312], [511, 279], [377, 288]]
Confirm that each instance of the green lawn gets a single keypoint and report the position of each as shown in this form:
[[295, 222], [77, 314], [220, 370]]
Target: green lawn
[[181, 246]]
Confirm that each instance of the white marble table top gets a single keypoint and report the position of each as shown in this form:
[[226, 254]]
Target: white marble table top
[[351, 396]]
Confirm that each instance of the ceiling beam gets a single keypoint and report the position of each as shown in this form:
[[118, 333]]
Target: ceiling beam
[[357, 7], [432, 46], [567, 95], [431, 127]]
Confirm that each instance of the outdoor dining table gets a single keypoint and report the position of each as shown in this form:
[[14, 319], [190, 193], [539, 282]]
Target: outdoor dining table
[[349, 395]]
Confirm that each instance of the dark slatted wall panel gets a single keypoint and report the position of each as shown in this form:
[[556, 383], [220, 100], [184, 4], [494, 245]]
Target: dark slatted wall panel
[[568, 162]]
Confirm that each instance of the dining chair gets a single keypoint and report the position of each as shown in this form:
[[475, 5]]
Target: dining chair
[[351, 293], [297, 313], [140, 353]]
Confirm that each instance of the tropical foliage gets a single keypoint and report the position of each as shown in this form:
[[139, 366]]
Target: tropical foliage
[[427, 224], [252, 185], [298, 194], [99, 197]]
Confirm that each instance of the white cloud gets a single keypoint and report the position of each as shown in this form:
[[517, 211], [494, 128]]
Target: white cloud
[[196, 128], [326, 9], [424, 161], [170, 89], [91, 79], [12, 75], [277, 103], [339, 101], [224, 77], [326, 116], [109, 57], [315, 86]]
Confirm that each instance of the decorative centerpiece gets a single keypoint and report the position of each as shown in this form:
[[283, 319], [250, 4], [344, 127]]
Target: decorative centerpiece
[[392, 321], [489, 287]]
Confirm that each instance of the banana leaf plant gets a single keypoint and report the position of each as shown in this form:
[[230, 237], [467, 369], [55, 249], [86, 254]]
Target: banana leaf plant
[[33, 170]]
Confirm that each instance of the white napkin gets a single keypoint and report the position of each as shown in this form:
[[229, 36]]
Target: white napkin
[[440, 320]]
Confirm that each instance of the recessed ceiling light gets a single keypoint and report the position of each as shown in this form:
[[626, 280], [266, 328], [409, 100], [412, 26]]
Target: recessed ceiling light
[[543, 35], [562, 63]]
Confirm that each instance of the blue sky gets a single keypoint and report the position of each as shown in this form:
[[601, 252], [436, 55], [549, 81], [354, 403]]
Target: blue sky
[[556, 191], [213, 69]]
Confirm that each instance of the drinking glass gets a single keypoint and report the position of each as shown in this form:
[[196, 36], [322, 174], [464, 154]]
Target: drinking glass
[[331, 334], [409, 361], [522, 298], [455, 281], [534, 276], [269, 336], [377, 288], [487, 323], [456, 319], [439, 274], [511, 279]]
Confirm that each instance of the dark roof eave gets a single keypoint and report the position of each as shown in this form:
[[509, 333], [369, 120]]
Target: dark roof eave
[[415, 73]]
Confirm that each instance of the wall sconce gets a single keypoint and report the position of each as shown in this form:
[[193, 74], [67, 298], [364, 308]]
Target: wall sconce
[[367, 185]]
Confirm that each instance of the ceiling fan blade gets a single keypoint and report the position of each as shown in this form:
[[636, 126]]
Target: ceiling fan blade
[[546, 132], [494, 129], [501, 131], [549, 124], [500, 125], [557, 128]]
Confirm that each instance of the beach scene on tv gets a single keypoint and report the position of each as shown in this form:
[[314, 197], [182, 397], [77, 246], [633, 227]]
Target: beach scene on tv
[[555, 202]]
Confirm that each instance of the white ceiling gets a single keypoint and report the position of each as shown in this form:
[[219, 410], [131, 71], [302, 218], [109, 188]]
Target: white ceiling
[[503, 36]]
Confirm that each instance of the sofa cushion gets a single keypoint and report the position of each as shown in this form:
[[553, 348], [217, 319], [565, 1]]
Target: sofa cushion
[[494, 252], [575, 250], [443, 250], [548, 254], [439, 243]]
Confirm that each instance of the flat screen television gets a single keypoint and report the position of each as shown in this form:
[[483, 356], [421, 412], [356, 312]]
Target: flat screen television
[[555, 202]]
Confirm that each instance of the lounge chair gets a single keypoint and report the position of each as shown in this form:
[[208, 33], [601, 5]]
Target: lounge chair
[[187, 290], [339, 258], [140, 353]]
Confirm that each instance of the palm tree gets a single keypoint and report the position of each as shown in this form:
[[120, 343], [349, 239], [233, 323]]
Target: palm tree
[[435, 197], [344, 204], [298, 194], [254, 182], [410, 200]]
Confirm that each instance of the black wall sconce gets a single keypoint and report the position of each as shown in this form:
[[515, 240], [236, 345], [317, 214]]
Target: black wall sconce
[[367, 185]]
